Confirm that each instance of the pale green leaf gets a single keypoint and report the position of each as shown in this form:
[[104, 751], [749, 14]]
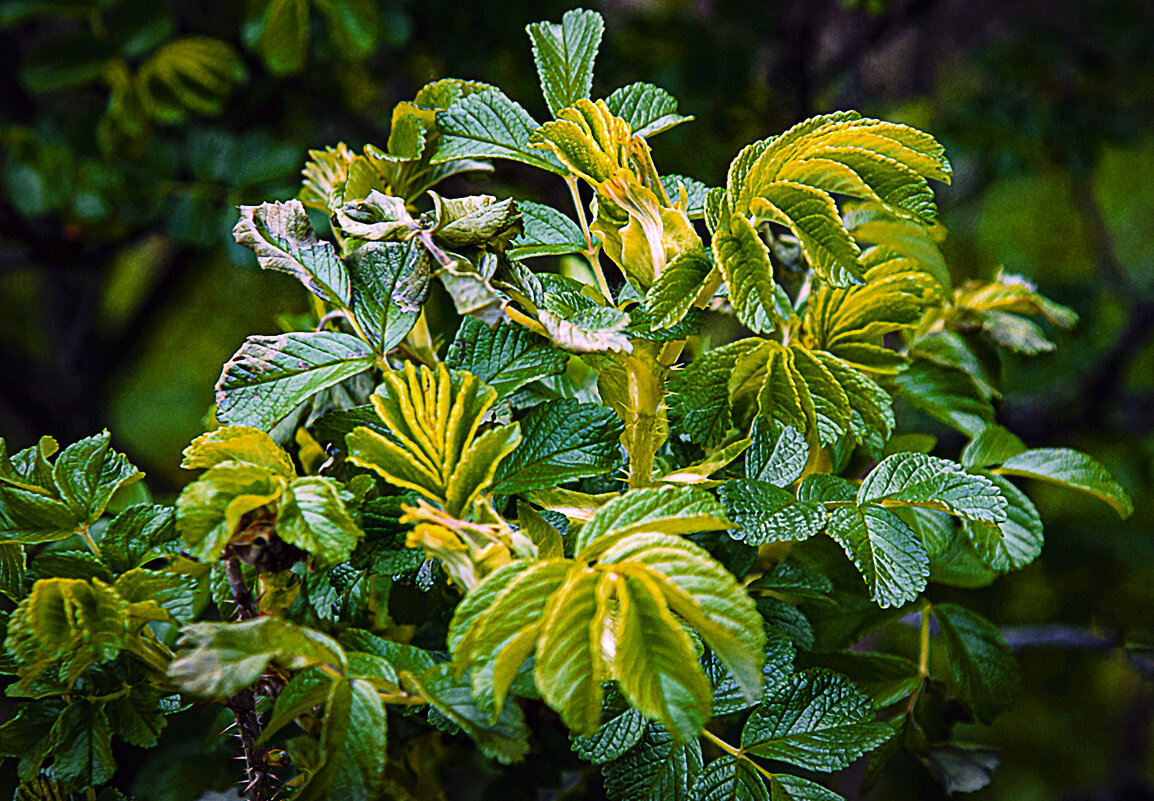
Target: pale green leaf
[[285, 36], [765, 513], [506, 357], [283, 239], [561, 440], [812, 216], [488, 124], [1017, 540], [29, 517], [890, 556], [648, 109], [915, 479], [312, 516], [189, 74], [668, 510], [695, 193], [817, 720], [565, 54], [1073, 469], [209, 510], [571, 665], [981, 663], [223, 658], [578, 324], [238, 444]]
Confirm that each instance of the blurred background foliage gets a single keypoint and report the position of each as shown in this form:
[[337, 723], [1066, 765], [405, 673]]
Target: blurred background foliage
[[131, 129]]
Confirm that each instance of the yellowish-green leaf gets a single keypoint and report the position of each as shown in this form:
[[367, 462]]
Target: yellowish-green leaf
[[238, 444]]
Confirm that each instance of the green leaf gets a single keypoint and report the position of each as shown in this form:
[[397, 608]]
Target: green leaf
[[31, 517], [136, 717], [992, 445], [354, 26], [915, 479], [190, 74], [695, 193], [885, 678], [946, 394], [571, 665], [656, 769], [699, 394], [284, 38], [547, 232], [283, 239], [209, 511], [506, 357], [488, 124], [613, 739], [561, 440], [360, 758], [564, 55], [1017, 540], [730, 778], [728, 697], [12, 569], [379, 271], [813, 218], [223, 658], [872, 406], [783, 787], [1073, 469], [303, 693], [238, 444], [504, 740], [313, 517], [776, 455], [400, 655], [744, 261], [981, 663], [667, 510], [765, 513], [817, 720], [82, 746], [648, 109], [474, 220], [826, 488], [70, 564], [890, 556], [88, 472], [578, 324], [672, 295]]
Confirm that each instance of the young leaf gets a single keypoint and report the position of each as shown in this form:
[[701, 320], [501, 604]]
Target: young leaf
[[648, 109], [818, 720], [812, 216], [656, 769], [744, 261], [238, 444], [890, 556], [668, 510], [565, 54], [283, 239], [561, 440], [765, 513], [506, 357], [487, 124], [981, 663], [434, 417], [578, 324], [209, 511], [676, 287], [270, 376], [1070, 468], [915, 479]]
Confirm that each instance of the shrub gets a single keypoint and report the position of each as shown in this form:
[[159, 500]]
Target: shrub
[[641, 468]]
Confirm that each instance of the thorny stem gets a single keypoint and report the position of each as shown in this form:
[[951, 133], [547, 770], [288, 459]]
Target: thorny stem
[[243, 704]]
